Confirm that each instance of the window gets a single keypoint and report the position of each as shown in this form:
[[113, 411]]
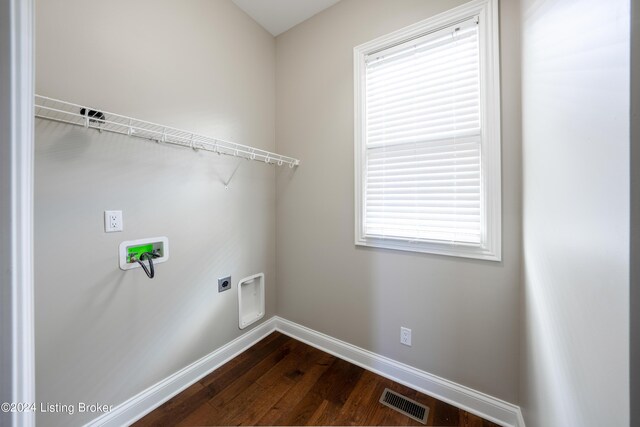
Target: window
[[427, 136]]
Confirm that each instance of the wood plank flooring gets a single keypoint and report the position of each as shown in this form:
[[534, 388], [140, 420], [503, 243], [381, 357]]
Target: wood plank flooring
[[281, 381]]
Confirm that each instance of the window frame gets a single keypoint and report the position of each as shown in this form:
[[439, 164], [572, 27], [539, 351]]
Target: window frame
[[490, 247]]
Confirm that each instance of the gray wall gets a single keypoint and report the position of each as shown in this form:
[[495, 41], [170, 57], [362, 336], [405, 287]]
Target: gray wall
[[575, 368], [102, 334], [463, 313]]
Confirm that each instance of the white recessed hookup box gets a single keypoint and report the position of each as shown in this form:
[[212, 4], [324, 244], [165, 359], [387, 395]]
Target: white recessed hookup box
[[158, 244]]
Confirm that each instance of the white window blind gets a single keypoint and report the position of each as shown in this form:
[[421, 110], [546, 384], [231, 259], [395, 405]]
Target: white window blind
[[423, 136]]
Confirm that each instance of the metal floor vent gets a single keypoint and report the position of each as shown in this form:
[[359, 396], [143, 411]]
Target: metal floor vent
[[404, 405]]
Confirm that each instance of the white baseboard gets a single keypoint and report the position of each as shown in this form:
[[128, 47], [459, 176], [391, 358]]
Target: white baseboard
[[520, 418], [481, 404], [475, 402], [149, 399]]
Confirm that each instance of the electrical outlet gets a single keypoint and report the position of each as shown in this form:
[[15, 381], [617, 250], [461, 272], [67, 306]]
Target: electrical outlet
[[405, 336], [224, 284], [112, 221]]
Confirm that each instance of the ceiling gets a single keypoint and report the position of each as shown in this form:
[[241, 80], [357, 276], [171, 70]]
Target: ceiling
[[277, 16]]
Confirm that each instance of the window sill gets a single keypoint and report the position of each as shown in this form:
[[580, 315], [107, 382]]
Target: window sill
[[436, 248]]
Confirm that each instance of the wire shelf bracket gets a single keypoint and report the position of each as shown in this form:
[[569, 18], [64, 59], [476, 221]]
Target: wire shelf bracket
[[89, 117]]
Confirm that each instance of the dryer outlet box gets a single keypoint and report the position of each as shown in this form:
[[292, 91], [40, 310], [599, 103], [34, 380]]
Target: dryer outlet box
[[250, 299]]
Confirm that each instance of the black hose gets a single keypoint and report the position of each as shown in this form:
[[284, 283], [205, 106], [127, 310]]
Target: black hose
[[148, 256]]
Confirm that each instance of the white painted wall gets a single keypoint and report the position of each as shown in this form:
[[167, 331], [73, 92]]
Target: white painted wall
[[575, 366], [102, 334], [463, 313]]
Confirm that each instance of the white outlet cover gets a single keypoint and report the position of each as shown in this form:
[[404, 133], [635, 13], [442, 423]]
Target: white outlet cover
[[112, 221], [405, 336]]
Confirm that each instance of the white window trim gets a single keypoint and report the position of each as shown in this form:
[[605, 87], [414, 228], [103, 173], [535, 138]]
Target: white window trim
[[17, 344], [491, 245]]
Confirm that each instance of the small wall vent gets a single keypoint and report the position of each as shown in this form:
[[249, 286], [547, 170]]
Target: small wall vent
[[404, 405]]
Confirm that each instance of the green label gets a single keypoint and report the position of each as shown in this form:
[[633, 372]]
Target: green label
[[138, 250]]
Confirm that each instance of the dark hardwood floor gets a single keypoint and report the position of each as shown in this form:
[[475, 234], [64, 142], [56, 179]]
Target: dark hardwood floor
[[281, 381]]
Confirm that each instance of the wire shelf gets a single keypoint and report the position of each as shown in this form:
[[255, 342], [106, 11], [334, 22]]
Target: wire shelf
[[89, 117]]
